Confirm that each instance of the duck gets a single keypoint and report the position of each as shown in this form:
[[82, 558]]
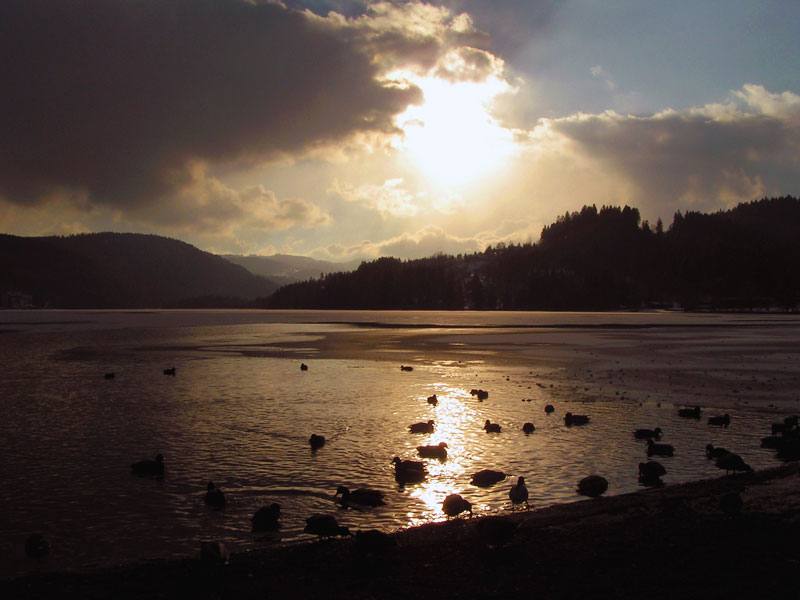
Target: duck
[[715, 453], [732, 462], [325, 526], [518, 494], [214, 553], [689, 413], [528, 428], [549, 408], [570, 419], [644, 434], [487, 478], [654, 449], [720, 420], [433, 400], [650, 472], [422, 427], [438, 451], [152, 468], [593, 486], [303, 367], [490, 427], [36, 546], [360, 497], [110, 375], [408, 471], [316, 441], [170, 371], [453, 505], [406, 368], [266, 518], [214, 496]]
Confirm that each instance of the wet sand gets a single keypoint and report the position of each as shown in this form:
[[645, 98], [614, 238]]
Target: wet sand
[[656, 543]]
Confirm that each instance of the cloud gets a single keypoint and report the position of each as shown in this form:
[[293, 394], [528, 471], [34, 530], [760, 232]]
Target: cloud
[[119, 101], [703, 158], [390, 199]]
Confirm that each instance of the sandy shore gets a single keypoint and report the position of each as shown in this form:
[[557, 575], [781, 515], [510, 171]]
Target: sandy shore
[[656, 543]]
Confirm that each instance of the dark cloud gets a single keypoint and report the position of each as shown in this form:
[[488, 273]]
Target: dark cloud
[[122, 99]]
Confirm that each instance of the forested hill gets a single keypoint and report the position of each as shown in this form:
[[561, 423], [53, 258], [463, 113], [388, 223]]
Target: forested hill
[[744, 258], [122, 270]]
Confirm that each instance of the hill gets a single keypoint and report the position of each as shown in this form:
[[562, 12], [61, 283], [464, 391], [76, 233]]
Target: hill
[[123, 270], [284, 269]]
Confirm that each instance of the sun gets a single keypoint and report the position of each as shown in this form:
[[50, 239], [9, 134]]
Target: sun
[[451, 139]]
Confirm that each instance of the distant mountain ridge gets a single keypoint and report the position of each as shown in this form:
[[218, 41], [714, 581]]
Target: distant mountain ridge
[[123, 270], [285, 268]]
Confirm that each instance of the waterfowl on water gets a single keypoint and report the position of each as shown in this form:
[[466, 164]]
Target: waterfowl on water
[[422, 427], [487, 477], [454, 505], [214, 553], [36, 546], [303, 367], [490, 427], [528, 428], [732, 462], [360, 497], [406, 368], [593, 486], [153, 468], [324, 526], [316, 441], [548, 408], [266, 518], [720, 420], [654, 449], [433, 400], [518, 494], [438, 451], [170, 371], [110, 375], [570, 419], [644, 434], [689, 413], [408, 471], [650, 472], [715, 453], [214, 496], [481, 394]]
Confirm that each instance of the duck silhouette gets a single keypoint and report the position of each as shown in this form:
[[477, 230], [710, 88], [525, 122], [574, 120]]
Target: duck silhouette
[[490, 427], [654, 449], [151, 468], [453, 505], [267, 518], [487, 477], [214, 496], [689, 413], [570, 419], [408, 471], [325, 526], [644, 434], [518, 494], [528, 428], [361, 497], [592, 486], [316, 441], [422, 427], [439, 451]]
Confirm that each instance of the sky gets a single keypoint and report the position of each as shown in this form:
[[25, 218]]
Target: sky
[[349, 130]]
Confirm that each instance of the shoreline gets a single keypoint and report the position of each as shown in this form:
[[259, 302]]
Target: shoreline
[[658, 542]]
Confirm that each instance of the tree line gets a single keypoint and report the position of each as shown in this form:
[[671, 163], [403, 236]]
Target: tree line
[[745, 258]]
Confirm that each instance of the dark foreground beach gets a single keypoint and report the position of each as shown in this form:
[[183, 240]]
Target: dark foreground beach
[[670, 542]]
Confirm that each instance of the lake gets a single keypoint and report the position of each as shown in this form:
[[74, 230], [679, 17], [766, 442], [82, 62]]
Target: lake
[[239, 412]]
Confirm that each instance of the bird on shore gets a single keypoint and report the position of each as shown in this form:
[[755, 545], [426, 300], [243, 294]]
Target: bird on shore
[[528, 428], [325, 526], [359, 498], [570, 419], [720, 420], [518, 494], [433, 400], [422, 427], [408, 471], [715, 453], [170, 371], [732, 462], [654, 449], [650, 472], [689, 413], [490, 427], [316, 441], [549, 408], [214, 496], [453, 505], [266, 518], [439, 451], [36, 546], [487, 477], [644, 434], [152, 468], [593, 486]]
